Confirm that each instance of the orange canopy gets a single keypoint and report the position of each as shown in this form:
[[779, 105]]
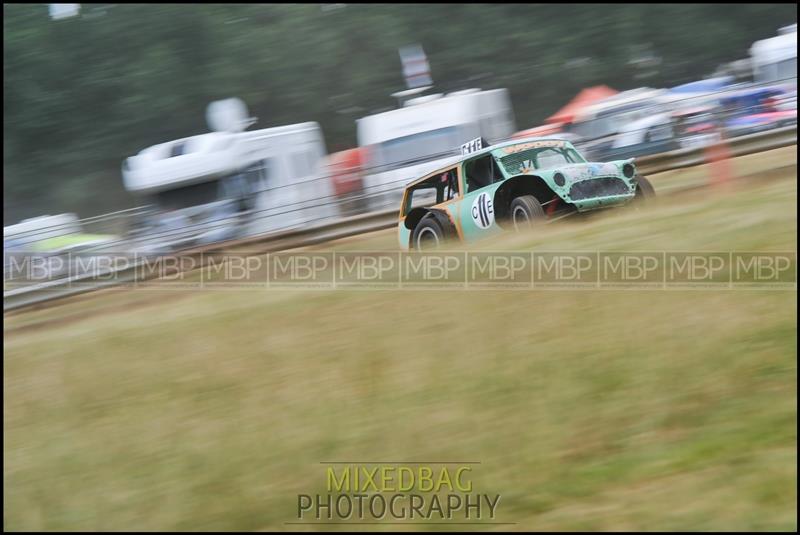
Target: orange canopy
[[581, 100], [543, 130]]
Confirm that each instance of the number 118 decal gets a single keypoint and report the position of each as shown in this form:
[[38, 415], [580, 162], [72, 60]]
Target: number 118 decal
[[483, 210]]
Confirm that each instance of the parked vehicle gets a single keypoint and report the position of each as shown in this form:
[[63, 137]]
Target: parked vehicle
[[51, 233], [227, 184], [750, 111], [51, 236], [403, 143], [696, 127], [774, 60], [759, 122], [649, 135], [599, 123]]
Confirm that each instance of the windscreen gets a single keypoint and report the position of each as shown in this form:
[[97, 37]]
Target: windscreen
[[193, 195], [540, 158]]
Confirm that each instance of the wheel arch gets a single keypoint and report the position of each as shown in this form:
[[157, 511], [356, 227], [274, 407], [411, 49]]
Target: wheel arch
[[416, 215], [517, 186]]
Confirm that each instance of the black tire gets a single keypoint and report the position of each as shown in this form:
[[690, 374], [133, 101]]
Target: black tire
[[428, 234], [644, 190], [525, 211]]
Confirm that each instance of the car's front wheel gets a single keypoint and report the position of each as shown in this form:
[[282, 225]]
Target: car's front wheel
[[644, 190], [525, 211], [428, 234]]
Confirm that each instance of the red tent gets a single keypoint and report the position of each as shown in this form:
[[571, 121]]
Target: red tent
[[581, 100]]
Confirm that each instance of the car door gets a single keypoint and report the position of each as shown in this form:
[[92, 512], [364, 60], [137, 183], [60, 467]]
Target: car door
[[476, 211]]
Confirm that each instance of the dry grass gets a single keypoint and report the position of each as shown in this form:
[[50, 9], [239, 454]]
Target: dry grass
[[650, 410]]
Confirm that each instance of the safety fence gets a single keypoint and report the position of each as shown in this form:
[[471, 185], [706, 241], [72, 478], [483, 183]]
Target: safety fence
[[22, 295]]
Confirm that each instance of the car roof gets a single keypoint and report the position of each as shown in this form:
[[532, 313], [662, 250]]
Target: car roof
[[510, 143], [488, 150]]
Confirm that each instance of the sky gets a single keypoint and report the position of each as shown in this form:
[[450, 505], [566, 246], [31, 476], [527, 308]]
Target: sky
[[62, 11]]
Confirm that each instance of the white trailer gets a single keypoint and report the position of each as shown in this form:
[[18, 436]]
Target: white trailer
[[404, 144], [775, 59], [229, 184]]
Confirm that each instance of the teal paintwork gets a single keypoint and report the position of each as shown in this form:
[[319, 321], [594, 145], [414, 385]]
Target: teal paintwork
[[404, 236], [602, 185]]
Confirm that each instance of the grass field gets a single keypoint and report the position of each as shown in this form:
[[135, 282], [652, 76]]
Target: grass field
[[588, 410]]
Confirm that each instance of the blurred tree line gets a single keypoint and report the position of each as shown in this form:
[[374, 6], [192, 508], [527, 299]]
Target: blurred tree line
[[82, 93]]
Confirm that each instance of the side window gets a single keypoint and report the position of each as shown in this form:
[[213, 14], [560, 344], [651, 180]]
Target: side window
[[434, 190], [258, 176], [659, 133], [481, 172], [422, 195], [449, 182], [177, 149]]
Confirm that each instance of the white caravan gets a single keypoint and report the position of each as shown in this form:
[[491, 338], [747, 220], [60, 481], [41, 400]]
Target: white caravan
[[404, 144], [775, 59], [230, 184]]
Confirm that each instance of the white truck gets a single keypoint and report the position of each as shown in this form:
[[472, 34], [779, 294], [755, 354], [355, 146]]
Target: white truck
[[231, 183], [403, 144]]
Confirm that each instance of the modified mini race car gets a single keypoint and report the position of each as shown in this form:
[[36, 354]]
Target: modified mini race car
[[511, 185]]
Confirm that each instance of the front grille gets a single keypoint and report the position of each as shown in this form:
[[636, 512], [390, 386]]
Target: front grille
[[598, 187]]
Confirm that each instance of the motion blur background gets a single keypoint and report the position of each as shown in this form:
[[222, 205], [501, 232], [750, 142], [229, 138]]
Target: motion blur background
[[169, 407], [82, 93]]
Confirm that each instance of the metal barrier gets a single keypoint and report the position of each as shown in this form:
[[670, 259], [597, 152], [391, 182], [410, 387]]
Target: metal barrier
[[740, 146], [282, 240], [34, 294]]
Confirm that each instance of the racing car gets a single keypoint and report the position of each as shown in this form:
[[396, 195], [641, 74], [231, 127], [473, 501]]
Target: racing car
[[511, 186]]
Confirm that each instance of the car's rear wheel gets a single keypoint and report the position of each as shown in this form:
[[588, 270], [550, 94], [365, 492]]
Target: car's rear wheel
[[644, 190], [525, 211], [428, 234]]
